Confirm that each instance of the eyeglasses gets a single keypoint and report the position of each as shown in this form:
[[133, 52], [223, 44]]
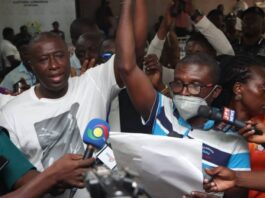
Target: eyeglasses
[[193, 88]]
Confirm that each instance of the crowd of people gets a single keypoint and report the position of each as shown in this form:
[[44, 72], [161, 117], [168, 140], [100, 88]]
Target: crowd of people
[[138, 84]]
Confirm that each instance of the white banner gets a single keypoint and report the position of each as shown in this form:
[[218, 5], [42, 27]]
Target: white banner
[[164, 166], [37, 15]]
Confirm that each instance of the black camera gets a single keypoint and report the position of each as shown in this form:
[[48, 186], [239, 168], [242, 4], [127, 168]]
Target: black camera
[[104, 183], [177, 7]]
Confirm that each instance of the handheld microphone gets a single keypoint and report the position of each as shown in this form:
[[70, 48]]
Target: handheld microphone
[[228, 116], [95, 136]]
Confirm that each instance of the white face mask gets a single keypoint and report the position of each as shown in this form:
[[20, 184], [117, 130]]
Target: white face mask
[[188, 106]]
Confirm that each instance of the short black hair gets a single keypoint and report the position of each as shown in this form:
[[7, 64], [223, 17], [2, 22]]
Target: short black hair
[[55, 23], [203, 59], [78, 25], [7, 31], [22, 42], [254, 10], [44, 35], [22, 28], [199, 38]]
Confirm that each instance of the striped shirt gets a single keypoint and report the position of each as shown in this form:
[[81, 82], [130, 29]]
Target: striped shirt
[[219, 148]]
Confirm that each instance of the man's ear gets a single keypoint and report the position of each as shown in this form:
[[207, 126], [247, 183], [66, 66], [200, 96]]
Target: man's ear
[[217, 91]]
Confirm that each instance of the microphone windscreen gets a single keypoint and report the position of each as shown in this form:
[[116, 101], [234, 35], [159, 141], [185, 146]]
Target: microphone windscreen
[[204, 111], [96, 133]]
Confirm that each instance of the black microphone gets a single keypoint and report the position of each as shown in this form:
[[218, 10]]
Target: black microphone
[[95, 137], [228, 116]]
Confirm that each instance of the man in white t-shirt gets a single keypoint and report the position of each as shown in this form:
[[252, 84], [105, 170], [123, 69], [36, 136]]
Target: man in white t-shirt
[[9, 53], [49, 119]]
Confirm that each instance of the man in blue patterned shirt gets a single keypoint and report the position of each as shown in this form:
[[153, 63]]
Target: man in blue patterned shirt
[[195, 83]]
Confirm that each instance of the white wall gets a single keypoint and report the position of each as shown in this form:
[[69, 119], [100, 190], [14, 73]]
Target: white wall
[[14, 13]]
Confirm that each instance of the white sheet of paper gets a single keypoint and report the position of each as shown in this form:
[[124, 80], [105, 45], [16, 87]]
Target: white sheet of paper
[[166, 166]]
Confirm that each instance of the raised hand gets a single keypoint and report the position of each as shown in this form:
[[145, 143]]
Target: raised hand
[[153, 70], [88, 63]]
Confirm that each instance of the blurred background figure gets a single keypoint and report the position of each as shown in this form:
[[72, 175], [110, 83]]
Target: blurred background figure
[[240, 5], [56, 30], [23, 36], [105, 18], [9, 54]]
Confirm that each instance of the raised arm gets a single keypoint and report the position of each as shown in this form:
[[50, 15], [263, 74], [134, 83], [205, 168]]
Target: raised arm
[[140, 27], [140, 24], [157, 44], [214, 35], [138, 85]]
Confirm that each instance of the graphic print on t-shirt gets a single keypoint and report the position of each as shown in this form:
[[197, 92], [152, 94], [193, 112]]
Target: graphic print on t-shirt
[[59, 135]]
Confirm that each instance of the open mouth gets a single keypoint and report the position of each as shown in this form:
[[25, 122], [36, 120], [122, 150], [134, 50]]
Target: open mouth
[[57, 78]]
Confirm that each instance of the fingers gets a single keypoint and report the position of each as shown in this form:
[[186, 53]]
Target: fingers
[[210, 187], [212, 172], [88, 63], [196, 194], [151, 63], [79, 184], [91, 63], [86, 163], [74, 156], [247, 130]]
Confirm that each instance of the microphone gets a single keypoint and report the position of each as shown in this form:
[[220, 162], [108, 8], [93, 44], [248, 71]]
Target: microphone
[[95, 136], [228, 116]]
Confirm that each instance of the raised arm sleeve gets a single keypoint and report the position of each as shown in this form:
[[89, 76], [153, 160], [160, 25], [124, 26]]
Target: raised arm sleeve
[[215, 37], [156, 46]]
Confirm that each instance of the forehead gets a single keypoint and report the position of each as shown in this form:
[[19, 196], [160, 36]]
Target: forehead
[[85, 42], [193, 72], [47, 45]]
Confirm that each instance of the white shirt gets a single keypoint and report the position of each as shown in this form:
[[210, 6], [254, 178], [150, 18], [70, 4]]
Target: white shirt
[[4, 99], [46, 129], [8, 49]]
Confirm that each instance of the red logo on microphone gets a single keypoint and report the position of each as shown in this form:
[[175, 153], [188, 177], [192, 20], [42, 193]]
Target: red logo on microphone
[[229, 115]]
